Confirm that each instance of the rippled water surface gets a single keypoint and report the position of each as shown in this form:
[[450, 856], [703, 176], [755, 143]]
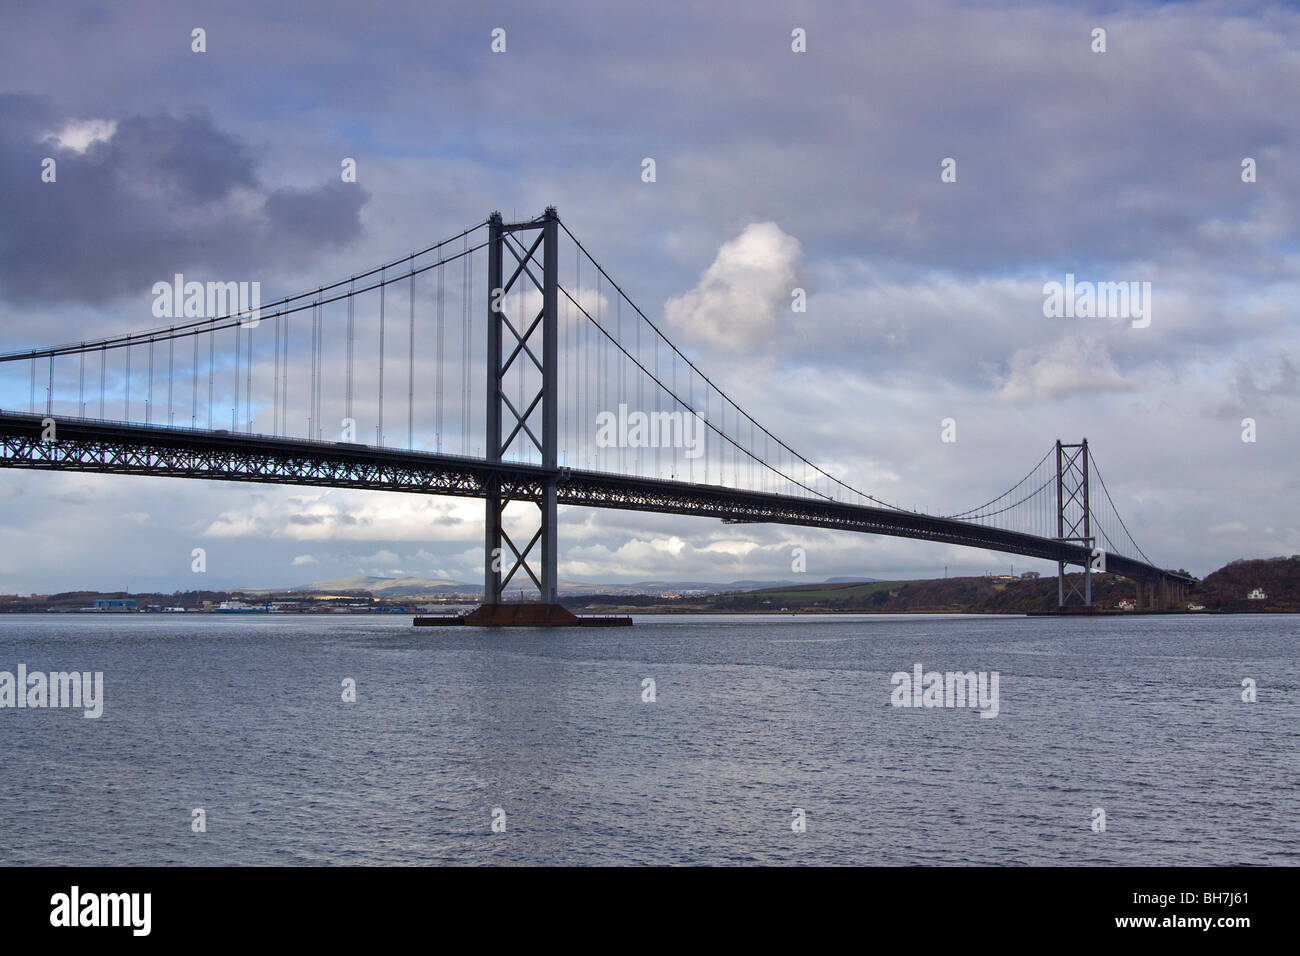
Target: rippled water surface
[[755, 716]]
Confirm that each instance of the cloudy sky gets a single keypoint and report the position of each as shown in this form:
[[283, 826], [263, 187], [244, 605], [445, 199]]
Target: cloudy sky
[[775, 169]]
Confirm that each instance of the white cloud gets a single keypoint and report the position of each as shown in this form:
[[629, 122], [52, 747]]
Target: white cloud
[[1229, 528], [335, 516], [80, 135], [738, 298], [1069, 365]]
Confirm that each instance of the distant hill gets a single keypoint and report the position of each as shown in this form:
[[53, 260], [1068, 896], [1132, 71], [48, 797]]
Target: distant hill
[[1227, 588], [411, 587], [1224, 590], [967, 594], [377, 586], [389, 587]]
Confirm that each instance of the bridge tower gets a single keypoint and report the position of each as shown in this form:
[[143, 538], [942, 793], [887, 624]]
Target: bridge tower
[[531, 341], [1073, 517]]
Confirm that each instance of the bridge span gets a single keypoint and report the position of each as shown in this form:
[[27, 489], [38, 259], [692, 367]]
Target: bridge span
[[553, 357], [130, 449]]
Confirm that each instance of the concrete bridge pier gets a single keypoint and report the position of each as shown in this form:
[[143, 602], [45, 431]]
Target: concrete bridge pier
[[1160, 594]]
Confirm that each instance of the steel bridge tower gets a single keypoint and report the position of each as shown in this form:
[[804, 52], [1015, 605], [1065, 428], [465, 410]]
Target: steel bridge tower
[[1074, 517], [532, 341]]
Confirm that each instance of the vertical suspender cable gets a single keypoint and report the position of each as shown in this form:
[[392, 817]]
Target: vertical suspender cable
[[581, 377], [618, 357], [582, 432], [171, 377], [599, 358], [275, 381], [410, 365], [640, 388], [320, 363], [248, 381], [688, 423], [311, 384], [464, 356], [284, 382], [320, 366], [562, 354], [469, 342], [439, 310], [658, 453], [351, 318], [194, 385], [313, 393], [379, 427], [234, 406], [320, 369]]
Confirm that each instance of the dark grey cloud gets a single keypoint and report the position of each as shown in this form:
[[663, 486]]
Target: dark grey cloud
[[187, 159], [327, 214], [162, 194]]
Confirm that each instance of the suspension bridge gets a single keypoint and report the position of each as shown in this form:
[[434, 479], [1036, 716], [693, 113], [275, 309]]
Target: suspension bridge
[[374, 382]]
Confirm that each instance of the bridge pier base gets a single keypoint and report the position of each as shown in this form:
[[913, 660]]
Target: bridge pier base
[[530, 614]]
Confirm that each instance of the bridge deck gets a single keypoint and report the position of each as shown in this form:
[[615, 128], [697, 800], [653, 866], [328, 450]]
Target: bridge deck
[[87, 445]]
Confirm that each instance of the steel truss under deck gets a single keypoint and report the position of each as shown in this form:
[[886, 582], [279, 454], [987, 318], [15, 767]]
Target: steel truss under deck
[[125, 449]]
